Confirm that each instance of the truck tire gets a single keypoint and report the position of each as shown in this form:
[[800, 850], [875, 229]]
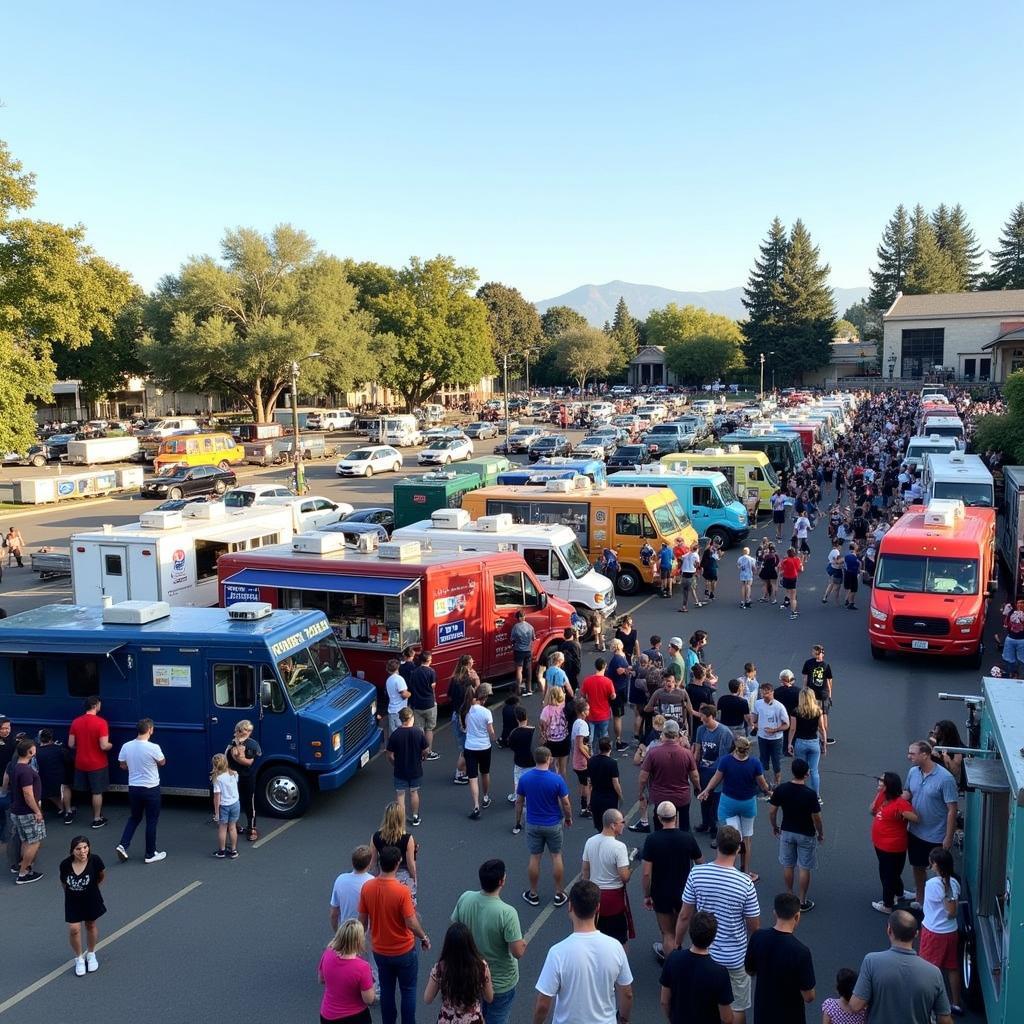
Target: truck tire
[[878, 653], [38, 461], [719, 536], [973, 661], [587, 614], [283, 791], [175, 493], [223, 465], [628, 581], [969, 970]]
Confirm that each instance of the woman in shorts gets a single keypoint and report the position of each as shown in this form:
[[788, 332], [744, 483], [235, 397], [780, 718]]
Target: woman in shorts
[[790, 570], [580, 740], [554, 728], [740, 776], [81, 876], [392, 832], [769, 574], [478, 724]]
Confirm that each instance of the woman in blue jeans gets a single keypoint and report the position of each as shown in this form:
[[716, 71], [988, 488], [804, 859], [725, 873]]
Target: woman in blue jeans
[[807, 736]]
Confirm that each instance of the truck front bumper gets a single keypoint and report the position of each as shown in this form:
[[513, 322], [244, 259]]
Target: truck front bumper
[[337, 777], [951, 645]]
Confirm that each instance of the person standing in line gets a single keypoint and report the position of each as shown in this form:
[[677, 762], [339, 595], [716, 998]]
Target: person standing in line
[[545, 797], [807, 737], [851, 575], [606, 863], [51, 763], [932, 791], [386, 908], [837, 1010], [26, 789], [769, 575], [461, 976], [81, 875], [695, 989], [142, 759], [620, 672], [730, 896], [227, 807], [817, 673], [554, 728], [498, 935], [896, 986], [670, 700], [689, 563], [700, 690], [772, 724], [398, 694], [801, 829], [890, 813], [786, 693], [790, 570], [709, 560], [599, 692], [242, 755], [422, 700], [834, 573], [778, 504], [669, 772], [523, 637], [348, 984], [579, 741], [347, 887], [674, 661], [392, 833], [406, 749], [668, 856], [520, 742], [940, 927], [713, 742], [734, 710], [407, 664], [478, 722], [585, 977], [746, 565], [801, 529], [572, 656], [666, 566], [464, 679], [605, 787], [89, 738], [782, 965]]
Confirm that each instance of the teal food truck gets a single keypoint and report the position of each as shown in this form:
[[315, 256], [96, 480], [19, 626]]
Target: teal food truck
[[197, 672]]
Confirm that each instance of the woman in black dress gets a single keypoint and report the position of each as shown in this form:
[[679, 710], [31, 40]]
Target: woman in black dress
[[81, 875]]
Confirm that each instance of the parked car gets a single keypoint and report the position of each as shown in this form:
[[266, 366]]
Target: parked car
[[610, 435], [311, 511], [481, 431], [49, 450], [379, 516], [592, 447], [523, 438], [183, 481], [667, 438], [445, 450], [353, 531], [252, 494], [331, 419], [368, 460], [626, 456], [628, 422], [552, 445]]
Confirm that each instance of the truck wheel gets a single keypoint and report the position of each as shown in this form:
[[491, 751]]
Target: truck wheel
[[369, 471], [283, 791], [219, 487], [628, 581], [878, 653], [587, 615], [717, 535], [176, 493], [38, 461], [223, 465], [969, 972], [974, 660]]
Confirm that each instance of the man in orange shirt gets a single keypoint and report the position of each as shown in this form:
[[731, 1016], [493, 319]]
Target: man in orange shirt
[[89, 738], [386, 908]]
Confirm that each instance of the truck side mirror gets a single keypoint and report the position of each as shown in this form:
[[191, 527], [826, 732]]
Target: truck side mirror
[[266, 693], [993, 586], [543, 599]]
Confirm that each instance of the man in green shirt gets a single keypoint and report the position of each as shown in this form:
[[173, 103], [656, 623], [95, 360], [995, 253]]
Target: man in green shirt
[[674, 662], [496, 930]]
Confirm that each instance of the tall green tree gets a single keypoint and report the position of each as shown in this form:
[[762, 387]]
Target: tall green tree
[[1008, 258], [584, 354], [236, 326], [930, 270], [866, 318], [957, 240], [53, 290], [626, 337], [559, 319], [893, 257], [515, 324], [762, 296], [431, 329]]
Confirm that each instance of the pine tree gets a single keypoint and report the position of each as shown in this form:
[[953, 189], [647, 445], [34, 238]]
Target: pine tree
[[893, 255], [807, 309], [931, 270], [957, 240], [1008, 259], [761, 294], [626, 339]]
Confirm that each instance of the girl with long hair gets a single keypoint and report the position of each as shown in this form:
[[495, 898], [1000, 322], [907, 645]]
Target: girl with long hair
[[227, 807], [946, 734], [464, 679], [346, 977], [478, 725], [392, 832], [554, 727], [940, 928], [807, 736], [81, 875], [461, 977]]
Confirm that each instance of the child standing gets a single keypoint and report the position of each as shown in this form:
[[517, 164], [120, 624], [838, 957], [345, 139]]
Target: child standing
[[837, 1011], [227, 806], [940, 929]]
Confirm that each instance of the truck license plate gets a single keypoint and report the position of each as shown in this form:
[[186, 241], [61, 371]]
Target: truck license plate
[[364, 758], [919, 645]]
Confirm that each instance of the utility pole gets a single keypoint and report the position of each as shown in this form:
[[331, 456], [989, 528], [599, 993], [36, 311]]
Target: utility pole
[[300, 475], [505, 389], [762, 376]]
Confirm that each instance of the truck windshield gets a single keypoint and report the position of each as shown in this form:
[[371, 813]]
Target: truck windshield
[[312, 672], [573, 556], [917, 574], [769, 475], [975, 495], [726, 493]]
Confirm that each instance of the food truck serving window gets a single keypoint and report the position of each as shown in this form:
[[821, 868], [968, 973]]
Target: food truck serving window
[[29, 677], [391, 621], [83, 677]]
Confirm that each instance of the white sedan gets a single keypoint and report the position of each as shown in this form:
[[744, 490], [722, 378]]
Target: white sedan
[[445, 450], [369, 460]]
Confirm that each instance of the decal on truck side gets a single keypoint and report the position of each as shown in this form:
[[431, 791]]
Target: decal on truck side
[[298, 639], [451, 632], [172, 675]]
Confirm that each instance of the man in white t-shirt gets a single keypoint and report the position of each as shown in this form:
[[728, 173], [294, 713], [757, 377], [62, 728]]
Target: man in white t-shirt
[[801, 529], [142, 759], [606, 863], [345, 896], [587, 975], [398, 695], [772, 722], [689, 561], [835, 574]]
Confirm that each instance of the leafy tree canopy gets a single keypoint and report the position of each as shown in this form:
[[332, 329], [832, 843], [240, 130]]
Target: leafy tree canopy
[[584, 354], [515, 323], [560, 319]]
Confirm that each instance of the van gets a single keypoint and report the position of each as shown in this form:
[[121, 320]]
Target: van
[[217, 449], [784, 449], [331, 419], [600, 412], [621, 518], [552, 552], [594, 469], [197, 672], [154, 430], [310, 511], [931, 412], [935, 572], [751, 476], [705, 495], [946, 426], [960, 476], [399, 431], [918, 448], [379, 603]]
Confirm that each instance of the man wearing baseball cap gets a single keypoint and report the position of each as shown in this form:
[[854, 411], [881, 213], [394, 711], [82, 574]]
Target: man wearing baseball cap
[[674, 662], [668, 773]]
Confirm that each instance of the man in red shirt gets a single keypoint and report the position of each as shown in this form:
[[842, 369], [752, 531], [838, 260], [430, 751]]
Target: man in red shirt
[[669, 772], [789, 570], [599, 691], [89, 738], [386, 909]]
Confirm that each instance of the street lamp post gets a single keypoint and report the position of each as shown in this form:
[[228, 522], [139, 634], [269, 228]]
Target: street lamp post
[[762, 375], [504, 386], [300, 476]]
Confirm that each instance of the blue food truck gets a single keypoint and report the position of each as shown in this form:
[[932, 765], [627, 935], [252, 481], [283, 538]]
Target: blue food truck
[[197, 672]]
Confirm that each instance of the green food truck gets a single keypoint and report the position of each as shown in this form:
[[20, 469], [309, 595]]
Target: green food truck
[[487, 467], [416, 497]]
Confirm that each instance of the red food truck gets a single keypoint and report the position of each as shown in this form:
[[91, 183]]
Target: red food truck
[[380, 602]]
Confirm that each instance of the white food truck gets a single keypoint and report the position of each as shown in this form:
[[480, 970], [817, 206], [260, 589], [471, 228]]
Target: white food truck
[[170, 556]]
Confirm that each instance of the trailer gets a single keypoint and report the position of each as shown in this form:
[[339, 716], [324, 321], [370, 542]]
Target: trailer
[[101, 449], [1011, 529]]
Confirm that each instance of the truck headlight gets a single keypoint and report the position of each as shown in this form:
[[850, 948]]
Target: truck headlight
[[966, 620], [879, 616], [599, 599], [336, 740]]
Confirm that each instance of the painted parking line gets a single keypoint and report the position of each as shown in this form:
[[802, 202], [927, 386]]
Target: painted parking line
[[113, 937], [277, 831]]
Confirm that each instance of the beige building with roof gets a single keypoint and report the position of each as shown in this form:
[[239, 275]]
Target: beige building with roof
[[970, 336]]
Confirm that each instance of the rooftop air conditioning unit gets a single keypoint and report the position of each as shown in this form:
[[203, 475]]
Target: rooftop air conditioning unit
[[318, 543], [440, 474], [135, 613], [249, 611], [160, 520], [367, 542], [559, 486], [654, 469], [957, 459], [205, 510], [450, 519], [944, 512], [400, 550], [500, 523]]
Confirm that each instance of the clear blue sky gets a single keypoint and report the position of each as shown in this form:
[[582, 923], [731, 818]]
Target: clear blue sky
[[547, 144]]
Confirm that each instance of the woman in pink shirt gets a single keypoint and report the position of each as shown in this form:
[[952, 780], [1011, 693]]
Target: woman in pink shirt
[[346, 977]]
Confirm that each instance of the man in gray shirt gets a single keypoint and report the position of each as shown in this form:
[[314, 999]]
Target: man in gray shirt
[[523, 636], [897, 986], [932, 791]]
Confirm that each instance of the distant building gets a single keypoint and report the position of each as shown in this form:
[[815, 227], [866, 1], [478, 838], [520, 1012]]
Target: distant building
[[647, 368], [973, 336]]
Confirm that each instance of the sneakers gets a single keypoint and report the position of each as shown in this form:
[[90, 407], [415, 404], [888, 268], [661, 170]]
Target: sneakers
[[98, 822], [80, 966], [585, 812], [511, 798], [621, 747], [69, 817], [91, 963], [231, 854], [702, 828], [474, 815], [32, 876], [880, 907], [806, 906], [910, 894], [531, 897], [158, 856], [460, 780], [659, 952], [122, 853], [831, 740], [794, 616], [220, 854], [560, 899], [640, 826], [434, 756], [415, 820], [516, 829], [486, 802]]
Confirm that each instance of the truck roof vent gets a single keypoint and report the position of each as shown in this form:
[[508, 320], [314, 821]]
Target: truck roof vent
[[401, 550], [318, 543], [500, 523], [732, 450], [205, 510], [249, 611], [944, 513], [367, 542], [160, 520], [450, 519], [135, 613], [440, 474], [957, 459], [655, 468], [559, 486]]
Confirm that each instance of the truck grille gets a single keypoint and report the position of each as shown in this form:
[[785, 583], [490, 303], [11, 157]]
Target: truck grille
[[345, 697], [922, 626], [357, 729]]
